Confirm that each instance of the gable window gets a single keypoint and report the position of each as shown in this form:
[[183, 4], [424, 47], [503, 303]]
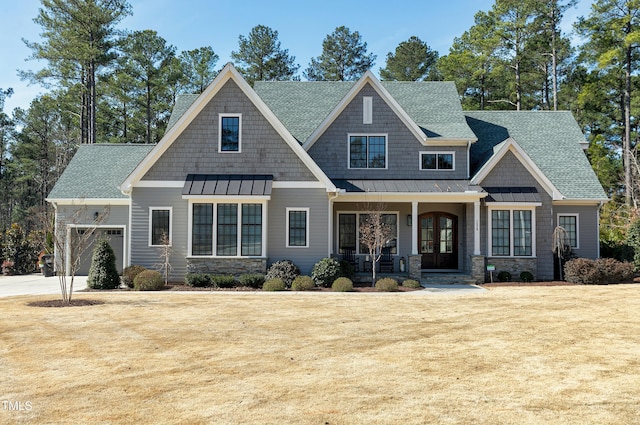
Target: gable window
[[230, 133], [349, 232], [511, 232], [569, 222], [159, 225], [226, 229], [437, 160], [367, 151], [298, 227]]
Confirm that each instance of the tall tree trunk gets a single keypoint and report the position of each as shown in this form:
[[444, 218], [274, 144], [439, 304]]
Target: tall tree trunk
[[627, 129]]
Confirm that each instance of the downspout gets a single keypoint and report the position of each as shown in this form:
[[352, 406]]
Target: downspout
[[332, 197], [598, 229]]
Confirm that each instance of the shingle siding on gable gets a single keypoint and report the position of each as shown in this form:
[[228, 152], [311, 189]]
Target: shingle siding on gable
[[196, 149], [330, 151]]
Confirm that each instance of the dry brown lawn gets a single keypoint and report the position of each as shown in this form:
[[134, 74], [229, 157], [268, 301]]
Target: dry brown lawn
[[514, 355]]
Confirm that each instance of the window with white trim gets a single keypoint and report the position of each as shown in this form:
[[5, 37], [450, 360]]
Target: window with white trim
[[511, 231], [349, 232], [229, 132], [569, 222], [159, 225], [437, 160], [297, 227], [367, 151], [227, 229]]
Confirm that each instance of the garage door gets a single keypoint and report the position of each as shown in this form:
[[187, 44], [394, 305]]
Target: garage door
[[116, 240]]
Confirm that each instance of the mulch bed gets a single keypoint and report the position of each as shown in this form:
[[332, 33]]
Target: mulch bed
[[60, 303]]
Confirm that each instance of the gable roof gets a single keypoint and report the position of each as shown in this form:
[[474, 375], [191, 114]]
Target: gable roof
[[180, 123], [96, 171], [551, 141], [432, 108]]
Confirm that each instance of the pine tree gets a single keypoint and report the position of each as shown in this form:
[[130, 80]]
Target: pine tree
[[413, 60], [103, 273]]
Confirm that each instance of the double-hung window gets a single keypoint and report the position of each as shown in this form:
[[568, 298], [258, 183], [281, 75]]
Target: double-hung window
[[298, 227], [367, 151], [512, 232], [227, 229], [437, 160], [159, 226], [569, 222], [349, 231], [229, 132]]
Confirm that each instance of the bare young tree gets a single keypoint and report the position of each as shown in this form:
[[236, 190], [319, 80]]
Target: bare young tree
[[165, 250], [375, 234], [71, 238], [561, 246]]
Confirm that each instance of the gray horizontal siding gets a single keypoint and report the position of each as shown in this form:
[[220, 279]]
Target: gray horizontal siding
[[587, 228], [141, 253], [318, 203]]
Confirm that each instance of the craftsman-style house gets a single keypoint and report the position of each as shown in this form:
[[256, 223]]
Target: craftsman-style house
[[247, 176]]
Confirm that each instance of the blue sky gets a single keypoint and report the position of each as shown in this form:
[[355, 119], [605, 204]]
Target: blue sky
[[301, 26]]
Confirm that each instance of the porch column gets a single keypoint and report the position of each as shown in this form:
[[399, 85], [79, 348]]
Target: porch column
[[414, 228], [476, 228]]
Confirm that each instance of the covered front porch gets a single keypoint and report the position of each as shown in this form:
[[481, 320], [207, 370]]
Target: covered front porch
[[435, 226]]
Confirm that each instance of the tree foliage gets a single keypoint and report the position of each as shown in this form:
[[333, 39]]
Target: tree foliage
[[413, 60], [260, 58], [344, 58]]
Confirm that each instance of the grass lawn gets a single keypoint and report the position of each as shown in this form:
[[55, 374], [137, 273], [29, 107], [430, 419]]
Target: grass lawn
[[516, 355]]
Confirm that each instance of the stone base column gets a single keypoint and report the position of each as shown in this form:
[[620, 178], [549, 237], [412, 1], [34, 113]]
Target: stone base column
[[478, 266], [415, 267]]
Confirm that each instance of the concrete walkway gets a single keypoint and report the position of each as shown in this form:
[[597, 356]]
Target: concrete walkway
[[36, 284]]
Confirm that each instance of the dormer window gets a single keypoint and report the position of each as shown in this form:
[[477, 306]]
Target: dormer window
[[230, 133], [437, 160], [367, 151]]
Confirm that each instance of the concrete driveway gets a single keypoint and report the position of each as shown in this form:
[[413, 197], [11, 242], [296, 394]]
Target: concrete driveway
[[36, 284]]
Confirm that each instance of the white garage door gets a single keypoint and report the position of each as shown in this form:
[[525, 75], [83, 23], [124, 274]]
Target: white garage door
[[116, 240]]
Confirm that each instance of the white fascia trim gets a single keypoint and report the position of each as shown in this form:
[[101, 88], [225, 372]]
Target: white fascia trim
[[410, 197], [297, 185], [583, 202], [228, 198], [90, 201], [510, 145], [228, 73], [171, 184], [448, 142], [368, 77], [514, 205]]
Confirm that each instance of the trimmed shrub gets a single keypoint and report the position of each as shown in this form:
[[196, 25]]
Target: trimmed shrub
[[222, 280], [504, 276], [342, 284], [387, 284], [274, 285], [325, 271], [129, 273], [411, 283], [526, 276], [284, 270], [197, 280], [148, 280], [347, 269], [252, 280], [600, 271], [302, 283], [103, 273]]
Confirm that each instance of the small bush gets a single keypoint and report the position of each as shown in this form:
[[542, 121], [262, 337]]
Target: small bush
[[129, 274], [347, 269], [342, 284], [222, 280], [103, 273], [526, 276], [198, 280], [284, 270], [274, 285], [303, 283], [148, 280], [325, 271], [387, 284], [504, 276], [600, 271], [411, 283], [252, 280]]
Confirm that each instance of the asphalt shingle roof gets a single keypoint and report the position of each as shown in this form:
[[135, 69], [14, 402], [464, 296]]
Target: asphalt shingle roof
[[96, 171], [552, 141]]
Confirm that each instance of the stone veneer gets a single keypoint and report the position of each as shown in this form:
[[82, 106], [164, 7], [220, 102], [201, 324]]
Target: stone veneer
[[415, 267], [478, 268], [515, 266], [232, 266]]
